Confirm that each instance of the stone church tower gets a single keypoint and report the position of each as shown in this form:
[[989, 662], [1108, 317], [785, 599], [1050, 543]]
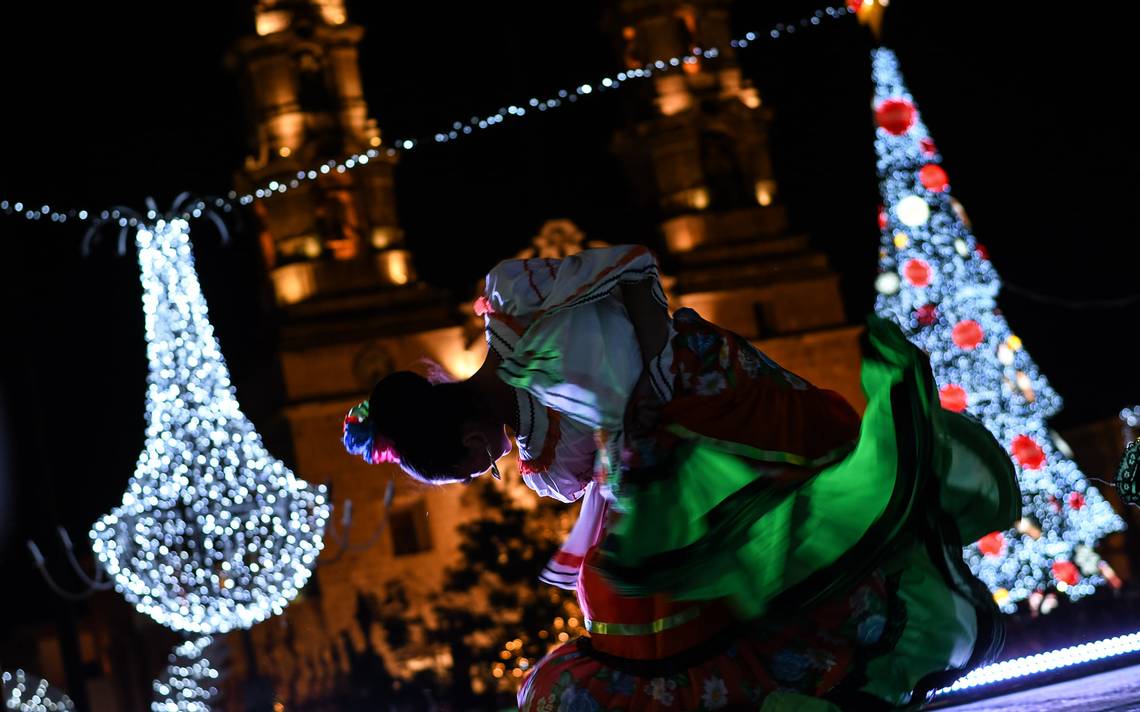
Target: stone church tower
[[350, 309], [699, 150]]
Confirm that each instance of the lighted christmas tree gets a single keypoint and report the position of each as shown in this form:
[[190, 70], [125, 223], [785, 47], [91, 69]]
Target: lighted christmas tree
[[936, 281]]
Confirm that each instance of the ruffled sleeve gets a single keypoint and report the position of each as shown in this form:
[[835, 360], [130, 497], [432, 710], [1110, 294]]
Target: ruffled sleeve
[[557, 455], [564, 335]]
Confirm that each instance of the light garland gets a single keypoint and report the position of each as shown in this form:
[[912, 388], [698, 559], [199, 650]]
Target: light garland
[[1131, 416], [1030, 665], [37, 211], [936, 282], [26, 693], [188, 684], [213, 532]]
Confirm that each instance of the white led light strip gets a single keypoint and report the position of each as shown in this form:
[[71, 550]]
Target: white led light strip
[[38, 210], [1045, 662]]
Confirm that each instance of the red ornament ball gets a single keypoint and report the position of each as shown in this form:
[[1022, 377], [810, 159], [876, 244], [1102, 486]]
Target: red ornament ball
[[992, 544], [953, 397], [967, 334], [1066, 571], [933, 177], [1027, 452], [853, 5], [918, 272], [895, 116], [883, 219], [1076, 500], [926, 314], [982, 251], [927, 146]]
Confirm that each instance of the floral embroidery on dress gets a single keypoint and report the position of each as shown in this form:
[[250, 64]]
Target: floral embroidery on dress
[[703, 343], [715, 693], [712, 383], [661, 689], [577, 699], [709, 360], [790, 667], [622, 683], [570, 697]]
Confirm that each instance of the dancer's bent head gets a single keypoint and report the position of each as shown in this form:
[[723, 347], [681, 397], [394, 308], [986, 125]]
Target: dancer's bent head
[[436, 432]]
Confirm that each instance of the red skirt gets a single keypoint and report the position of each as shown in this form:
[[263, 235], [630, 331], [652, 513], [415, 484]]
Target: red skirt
[[734, 669]]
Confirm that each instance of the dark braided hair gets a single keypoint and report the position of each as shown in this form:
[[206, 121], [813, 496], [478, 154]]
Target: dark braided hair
[[411, 421]]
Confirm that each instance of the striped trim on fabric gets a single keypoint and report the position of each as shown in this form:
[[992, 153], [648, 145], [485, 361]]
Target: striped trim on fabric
[[565, 579], [657, 626], [504, 327], [600, 280], [516, 365], [525, 435], [530, 280], [549, 443], [562, 570], [661, 377]]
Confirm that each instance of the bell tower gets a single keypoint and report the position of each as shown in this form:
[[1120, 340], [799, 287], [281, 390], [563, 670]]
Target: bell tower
[[698, 149], [350, 309], [332, 242]]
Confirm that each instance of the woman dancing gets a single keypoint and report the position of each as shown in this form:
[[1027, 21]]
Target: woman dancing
[[744, 541]]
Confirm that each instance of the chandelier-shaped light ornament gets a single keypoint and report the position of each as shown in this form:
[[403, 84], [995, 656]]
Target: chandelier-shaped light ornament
[[213, 532]]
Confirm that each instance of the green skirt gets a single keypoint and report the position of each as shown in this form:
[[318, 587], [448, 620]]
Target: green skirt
[[919, 482]]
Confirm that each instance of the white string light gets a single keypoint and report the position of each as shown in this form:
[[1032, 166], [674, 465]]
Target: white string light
[[1045, 662], [27, 693], [213, 532], [456, 130], [1131, 416], [937, 284], [189, 682]]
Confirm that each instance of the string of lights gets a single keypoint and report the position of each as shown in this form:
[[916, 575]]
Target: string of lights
[[1131, 416], [42, 211], [27, 693], [1045, 662], [189, 682]]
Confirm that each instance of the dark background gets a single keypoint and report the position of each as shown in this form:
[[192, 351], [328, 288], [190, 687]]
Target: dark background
[[105, 104]]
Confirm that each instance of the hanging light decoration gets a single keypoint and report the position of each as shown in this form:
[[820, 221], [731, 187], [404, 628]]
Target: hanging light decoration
[[27, 693], [213, 532], [189, 682]]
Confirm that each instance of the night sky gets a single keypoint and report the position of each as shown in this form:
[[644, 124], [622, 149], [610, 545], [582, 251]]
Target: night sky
[[109, 103]]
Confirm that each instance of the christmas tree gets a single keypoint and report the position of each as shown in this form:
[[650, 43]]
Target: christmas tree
[[494, 616], [937, 282]]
